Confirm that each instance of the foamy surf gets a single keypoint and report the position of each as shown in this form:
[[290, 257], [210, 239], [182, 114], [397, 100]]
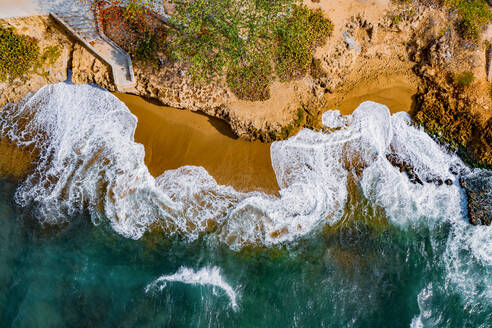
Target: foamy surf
[[89, 161], [207, 276]]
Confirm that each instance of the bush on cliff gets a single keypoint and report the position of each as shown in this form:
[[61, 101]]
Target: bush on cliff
[[251, 82], [244, 40], [464, 79], [298, 35], [148, 44], [18, 54], [473, 15]]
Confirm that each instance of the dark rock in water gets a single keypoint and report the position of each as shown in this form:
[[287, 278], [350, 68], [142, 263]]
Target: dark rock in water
[[414, 178], [455, 170], [478, 188], [396, 161]]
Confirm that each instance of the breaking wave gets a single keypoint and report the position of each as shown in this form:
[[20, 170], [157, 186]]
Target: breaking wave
[[88, 160], [206, 276]]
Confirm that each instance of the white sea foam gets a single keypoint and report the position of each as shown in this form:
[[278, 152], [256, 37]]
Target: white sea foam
[[89, 161], [205, 276], [425, 317], [468, 262]]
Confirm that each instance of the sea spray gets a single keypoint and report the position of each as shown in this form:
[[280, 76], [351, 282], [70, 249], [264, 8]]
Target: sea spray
[[205, 276], [88, 160]]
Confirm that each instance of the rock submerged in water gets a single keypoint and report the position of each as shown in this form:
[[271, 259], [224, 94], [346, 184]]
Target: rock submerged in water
[[477, 185], [478, 188], [414, 178]]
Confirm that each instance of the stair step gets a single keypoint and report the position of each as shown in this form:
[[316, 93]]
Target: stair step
[[87, 22], [88, 30]]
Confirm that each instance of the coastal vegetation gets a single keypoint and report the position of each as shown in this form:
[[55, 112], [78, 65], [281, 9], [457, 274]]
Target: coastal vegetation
[[464, 79], [18, 54], [473, 15], [245, 43], [21, 56], [251, 42]]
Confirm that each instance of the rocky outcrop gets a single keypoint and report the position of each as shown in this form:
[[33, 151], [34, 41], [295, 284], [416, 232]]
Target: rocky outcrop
[[413, 175], [172, 86], [87, 68], [51, 70], [478, 187], [455, 113]]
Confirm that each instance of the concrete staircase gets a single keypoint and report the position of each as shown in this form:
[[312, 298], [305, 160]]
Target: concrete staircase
[[82, 26]]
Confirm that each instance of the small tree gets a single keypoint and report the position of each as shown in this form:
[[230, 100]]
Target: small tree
[[132, 11]]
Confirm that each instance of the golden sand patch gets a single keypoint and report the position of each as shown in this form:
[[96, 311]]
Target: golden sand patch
[[394, 91], [15, 163], [173, 138]]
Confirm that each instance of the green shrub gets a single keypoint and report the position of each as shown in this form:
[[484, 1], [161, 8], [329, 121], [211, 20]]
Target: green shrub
[[294, 127], [243, 39], [147, 47], [50, 55], [215, 36], [464, 79], [473, 16], [298, 35], [396, 19], [251, 82], [18, 54]]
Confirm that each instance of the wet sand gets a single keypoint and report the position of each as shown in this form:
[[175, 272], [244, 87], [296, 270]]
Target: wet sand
[[15, 163], [173, 138], [396, 92]]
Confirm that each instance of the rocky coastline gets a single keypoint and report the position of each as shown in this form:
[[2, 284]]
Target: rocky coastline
[[412, 39]]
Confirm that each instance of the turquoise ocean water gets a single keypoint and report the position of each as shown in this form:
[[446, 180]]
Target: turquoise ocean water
[[378, 251]]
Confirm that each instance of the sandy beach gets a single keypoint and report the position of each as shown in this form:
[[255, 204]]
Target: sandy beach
[[395, 92], [173, 138]]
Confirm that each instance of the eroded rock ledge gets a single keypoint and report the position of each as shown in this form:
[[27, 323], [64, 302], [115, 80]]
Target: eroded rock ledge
[[85, 67]]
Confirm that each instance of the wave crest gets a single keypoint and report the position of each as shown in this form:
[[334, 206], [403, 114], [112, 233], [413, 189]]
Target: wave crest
[[88, 160], [206, 276]]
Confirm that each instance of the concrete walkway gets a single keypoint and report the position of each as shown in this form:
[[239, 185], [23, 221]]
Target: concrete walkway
[[81, 25], [79, 21], [22, 8]]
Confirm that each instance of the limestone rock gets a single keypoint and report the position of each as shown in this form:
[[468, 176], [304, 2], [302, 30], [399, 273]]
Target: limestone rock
[[478, 187], [87, 68]]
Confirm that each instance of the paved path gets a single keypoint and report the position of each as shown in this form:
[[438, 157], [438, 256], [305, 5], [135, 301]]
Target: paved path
[[81, 24], [79, 21], [20, 8]]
